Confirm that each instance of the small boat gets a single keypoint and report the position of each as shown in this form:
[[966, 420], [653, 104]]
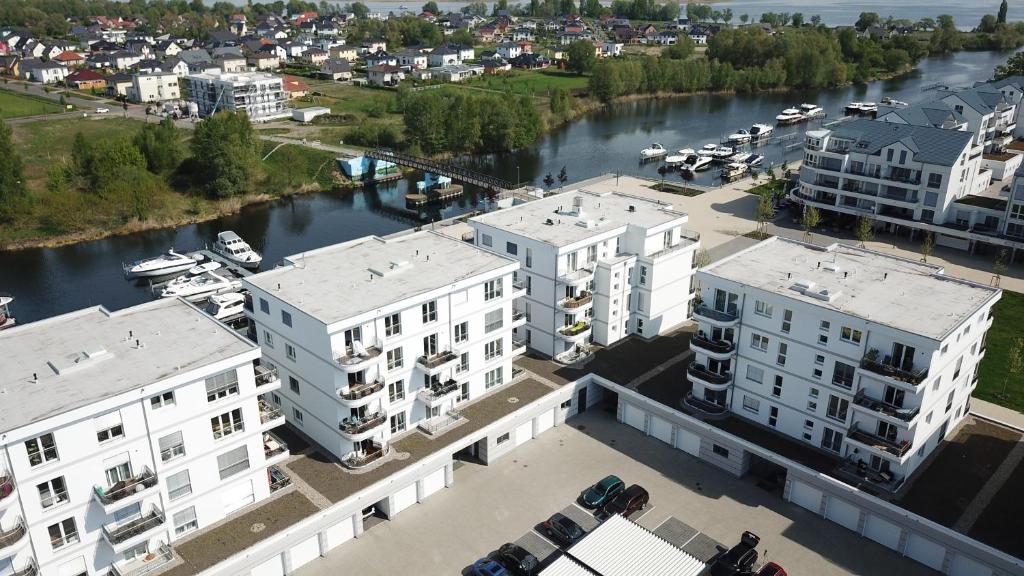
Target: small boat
[[812, 111], [696, 163], [754, 160], [165, 264], [656, 150], [760, 131], [722, 153], [7, 319], [740, 137], [790, 116], [709, 147], [195, 288], [675, 159], [686, 152], [860, 108], [889, 101], [232, 247], [742, 157], [222, 306], [733, 171], [203, 268]]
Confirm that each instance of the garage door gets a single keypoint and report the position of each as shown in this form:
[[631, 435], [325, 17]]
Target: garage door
[[271, 567], [339, 533], [634, 417], [966, 566], [661, 429], [688, 442], [925, 551], [305, 552], [843, 513], [403, 499], [524, 433], [433, 482], [806, 496], [237, 496], [545, 421], [882, 531]]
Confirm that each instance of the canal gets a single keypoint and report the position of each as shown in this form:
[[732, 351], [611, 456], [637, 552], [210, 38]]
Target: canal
[[50, 281]]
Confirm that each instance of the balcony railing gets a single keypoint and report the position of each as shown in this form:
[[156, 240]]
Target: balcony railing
[[518, 285], [124, 532], [6, 486], [578, 301], [896, 448], [717, 315], [440, 423], [125, 488], [13, 535], [716, 346], [359, 390], [870, 362], [517, 343], [440, 390], [273, 445], [905, 414], [574, 330], [265, 375], [439, 359], [355, 425], [350, 357], [701, 372], [704, 408], [365, 457], [146, 565], [277, 478], [269, 412], [576, 276], [30, 569]]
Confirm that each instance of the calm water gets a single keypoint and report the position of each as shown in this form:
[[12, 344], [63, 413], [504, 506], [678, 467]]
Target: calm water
[[46, 282]]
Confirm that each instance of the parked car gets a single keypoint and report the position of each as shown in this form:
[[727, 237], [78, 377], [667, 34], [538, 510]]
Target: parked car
[[517, 560], [102, 110], [488, 567], [562, 529], [598, 494], [740, 559], [771, 569], [626, 502]]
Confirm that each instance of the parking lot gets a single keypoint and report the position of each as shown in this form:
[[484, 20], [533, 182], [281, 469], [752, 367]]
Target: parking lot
[[490, 505]]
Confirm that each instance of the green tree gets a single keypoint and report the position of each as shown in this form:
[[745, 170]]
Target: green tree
[[927, 246], [925, 24], [945, 38], [1001, 18], [226, 154], [987, 24], [462, 36], [865, 230], [359, 9], [744, 18], [13, 194], [1013, 67], [896, 59], [581, 56], [798, 19], [681, 50], [475, 9], [727, 15], [605, 83], [816, 20], [109, 161], [867, 20], [811, 219], [431, 7], [765, 214], [160, 145]]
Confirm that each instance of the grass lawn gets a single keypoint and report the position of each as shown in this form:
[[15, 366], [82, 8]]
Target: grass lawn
[[1009, 316], [342, 98], [292, 166], [527, 81], [14, 105]]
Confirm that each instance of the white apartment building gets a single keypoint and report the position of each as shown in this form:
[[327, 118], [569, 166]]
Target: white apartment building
[[596, 267], [261, 95], [378, 336], [155, 87], [867, 356], [123, 432]]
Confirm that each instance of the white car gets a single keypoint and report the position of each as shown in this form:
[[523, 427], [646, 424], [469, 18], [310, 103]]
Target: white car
[[102, 110]]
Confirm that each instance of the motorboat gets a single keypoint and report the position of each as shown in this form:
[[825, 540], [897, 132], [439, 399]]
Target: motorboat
[[686, 152], [722, 153], [733, 171], [655, 151], [227, 305], [741, 157], [195, 288], [708, 147], [790, 116], [889, 101], [696, 163], [168, 263], [754, 160], [761, 131], [812, 111], [740, 137], [7, 319], [200, 269], [231, 246], [860, 108], [675, 159]]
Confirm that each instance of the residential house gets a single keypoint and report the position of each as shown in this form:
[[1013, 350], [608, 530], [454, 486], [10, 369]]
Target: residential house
[[443, 56], [176, 66], [123, 59], [167, 48], [530, 61], [380, 58], [336, 69], [611, 49], [294, 87], [154, 87], [457, 72], [522, 34], [238, 24], [509, 50], [118, 84], [85, 79], [412, 59], [198, 60], [263, 61], [43, 72], [315, 56], [70, 59], [231, 63], [385, 75], [374, 45], [345, 52]]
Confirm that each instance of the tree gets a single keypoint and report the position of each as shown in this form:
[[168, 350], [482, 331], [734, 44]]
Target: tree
[[681, 50], [867, 20], [896, 59], [927, 246], [13, 194], [462, 36], [727, 15], [945, 38], [475, 9], [744, 18], [581, 56], [1014, 363], [798, 20], [359, 9], [999, 267], [1001, 18], [811, 219], [815, 20], [864, 230], [226, 154], [431, 7], [160, 145], [987, 24], [1013, 67], [925, 24], [765, 214]]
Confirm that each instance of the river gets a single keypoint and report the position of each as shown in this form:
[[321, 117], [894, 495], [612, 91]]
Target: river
[[50, 281]]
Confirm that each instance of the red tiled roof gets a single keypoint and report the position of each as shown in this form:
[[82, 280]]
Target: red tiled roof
[[68, 56], [84, 76]]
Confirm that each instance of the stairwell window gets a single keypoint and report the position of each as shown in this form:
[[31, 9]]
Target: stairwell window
[[777, 387], [787, 321], [850, 335], [759, 342], [783, 350]]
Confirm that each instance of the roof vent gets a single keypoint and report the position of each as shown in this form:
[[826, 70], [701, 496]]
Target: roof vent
[[632, 208], [549, 222]]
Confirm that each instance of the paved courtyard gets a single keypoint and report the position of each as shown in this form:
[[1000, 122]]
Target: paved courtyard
[[490, 505]]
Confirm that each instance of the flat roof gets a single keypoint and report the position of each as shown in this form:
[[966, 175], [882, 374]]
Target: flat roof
[[601, 212], [345, 280], [904, 294], [66, 362]]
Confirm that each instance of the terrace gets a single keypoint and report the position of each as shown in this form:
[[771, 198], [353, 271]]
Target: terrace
[[123, 536], [897, 448], [864, 400], [886, 368], [126, 491]]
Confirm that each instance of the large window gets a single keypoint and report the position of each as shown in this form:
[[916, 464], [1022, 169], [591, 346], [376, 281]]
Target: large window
[[179, 485], [398, 423], [227, 423], [222, 385], [493, 378], [831, 440], [462, 332], [837, 408], [63, 533], [759, 342], [511, 248], [492, 349], [233, 462], [842, 375], [171, 446], [185, 521], [492, 289], [934, 180], [41, 450], [393, 325], [493, 320], [396, 390], [429, 311], [395, 359], [52, 492]]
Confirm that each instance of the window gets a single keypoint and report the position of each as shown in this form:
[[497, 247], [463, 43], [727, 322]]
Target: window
[[751, 404], [393, 325], [112, 433], [53, 492], [639, 302], [759, 342], [831, 440], [781, 358], [268, 339], [233, 462], [959, 364], [396, 390], [161, 400], [813, 392], [809, 424], [754, 374], [493, 320], [222, 385], [293, 384], [289, 351], [643, 275], [824, 326], [819, 359], [949, 400], [429, 311], [463, 365], [773, 416], [398, 423], [777, 387], [787, 321], [492, 349], [462, 332], [297, 415], [486, 240], [171, 446], [395, 359], [41, 450], [842, 375], [493, 378], [511, 248], [286, 318], [592, 253], [503, 438], [763, 309], [185, 521], [227, 423], [837, 408], [529, 257], [63, 533], [812, 405], [903, 156], [817, 373], [275, 398], [723, 452], [566, 405], [823, 339], [264, 306], [178, 485], [492, 289], [847, 334], [888, 155], [1017, 211]]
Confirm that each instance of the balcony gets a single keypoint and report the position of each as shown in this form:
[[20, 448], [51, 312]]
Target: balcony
[[30, 569], [356, 360], [440, 424], [12, 536], [687, 240], [717, 349], [518, 288], [718, 318], [897, 448], [885, 368], [518, 318], [274, 449], [266, 378], [435, 363], [7, 489], [578, 332], [858, 471], [145, 564], [437, 394], [577, 277], [361, 393], [247, 303], [878, 406], [277, 479], [127, 491], [579, 302], [703, 409], [355, 428], [698, 373], [366, 457], [124, 536], [270, 416], [518, 346]]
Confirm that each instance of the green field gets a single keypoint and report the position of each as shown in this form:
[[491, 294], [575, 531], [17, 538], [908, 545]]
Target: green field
[[530, 81], [291, 166], [1009, 316], [14, 105]]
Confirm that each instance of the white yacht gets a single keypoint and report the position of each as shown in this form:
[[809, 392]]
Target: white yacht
[[754, 160], [740, 137], [232, 247], [761, 131], [722, 153], [165, 264], [675, 159], [195, 288], [696, 163], [686, 151], [812, 111], [733, 171], [742, 157], [890, 101], [200, 269], [656, 150], [860, 108], [7, 319], [790, 116], [226, 305]]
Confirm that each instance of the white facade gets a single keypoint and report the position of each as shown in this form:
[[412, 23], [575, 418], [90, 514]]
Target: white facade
[[124, 431], [376, 336], [259, 94], [867, 356], [595, 267], [158, 87]]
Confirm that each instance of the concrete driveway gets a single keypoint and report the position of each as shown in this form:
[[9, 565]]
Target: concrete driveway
[[490, 505]]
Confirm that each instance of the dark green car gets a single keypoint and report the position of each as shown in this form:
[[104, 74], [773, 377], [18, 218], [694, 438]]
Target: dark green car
[[602, 492]]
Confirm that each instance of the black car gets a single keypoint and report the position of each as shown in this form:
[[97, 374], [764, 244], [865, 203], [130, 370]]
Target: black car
[[625, 503], [517, 560], [740, 559], [562, 529]]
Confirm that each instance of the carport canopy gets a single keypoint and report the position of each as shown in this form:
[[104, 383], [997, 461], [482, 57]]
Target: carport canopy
[[620, 547]]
